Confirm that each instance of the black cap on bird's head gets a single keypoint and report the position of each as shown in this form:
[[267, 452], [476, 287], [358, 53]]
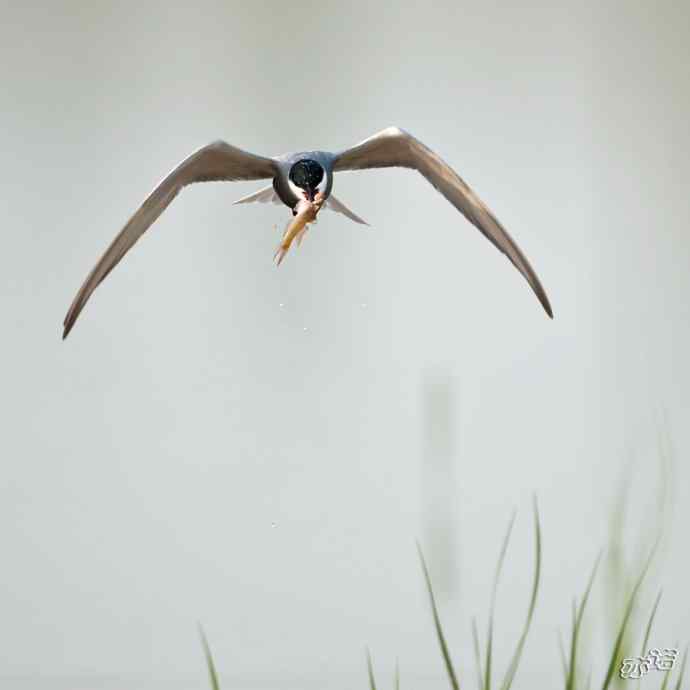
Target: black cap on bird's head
[[307, 174]]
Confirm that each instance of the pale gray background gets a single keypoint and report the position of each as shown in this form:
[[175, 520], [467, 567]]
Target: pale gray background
[[196, 451]]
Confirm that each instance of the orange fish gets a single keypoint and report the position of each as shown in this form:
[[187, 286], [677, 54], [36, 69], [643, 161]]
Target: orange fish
[[305, 213]]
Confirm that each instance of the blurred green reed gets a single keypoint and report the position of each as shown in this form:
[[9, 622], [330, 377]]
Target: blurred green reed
[[620, 608], [572, 676]]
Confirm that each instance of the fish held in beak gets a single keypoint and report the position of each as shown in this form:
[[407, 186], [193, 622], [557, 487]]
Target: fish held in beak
[[306, 213]]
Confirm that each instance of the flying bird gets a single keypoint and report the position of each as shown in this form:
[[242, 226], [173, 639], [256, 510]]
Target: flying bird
[[303, 182]]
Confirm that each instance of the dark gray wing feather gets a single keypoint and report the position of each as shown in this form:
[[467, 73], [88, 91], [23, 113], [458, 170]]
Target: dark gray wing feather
[[216, 162], [394, 147]]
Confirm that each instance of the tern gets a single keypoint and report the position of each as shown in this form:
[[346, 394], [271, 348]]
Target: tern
[[303, 182]]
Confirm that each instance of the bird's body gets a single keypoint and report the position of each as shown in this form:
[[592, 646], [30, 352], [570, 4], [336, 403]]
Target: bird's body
[[304, 182]]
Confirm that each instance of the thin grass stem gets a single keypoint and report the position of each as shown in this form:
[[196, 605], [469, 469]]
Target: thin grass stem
[[452, 676]]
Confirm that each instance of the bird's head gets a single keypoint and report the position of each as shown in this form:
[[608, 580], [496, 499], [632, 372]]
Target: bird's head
[[307, 174]]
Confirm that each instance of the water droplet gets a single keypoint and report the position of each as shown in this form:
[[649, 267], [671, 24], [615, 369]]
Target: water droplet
[[364, 305], [281, 305], [305, 329]]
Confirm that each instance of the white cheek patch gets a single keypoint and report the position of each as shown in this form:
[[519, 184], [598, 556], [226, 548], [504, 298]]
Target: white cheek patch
[[297, 191], [321, 187]]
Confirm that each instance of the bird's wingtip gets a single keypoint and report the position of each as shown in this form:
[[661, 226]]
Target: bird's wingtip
[[67, 323]]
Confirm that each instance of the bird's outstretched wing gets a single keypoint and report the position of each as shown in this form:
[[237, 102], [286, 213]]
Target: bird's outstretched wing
[[216, 162], [263, 196], [394, 147], [339, 207]]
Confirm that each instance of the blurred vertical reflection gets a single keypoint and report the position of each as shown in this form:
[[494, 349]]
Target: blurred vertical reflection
[[438, 481]]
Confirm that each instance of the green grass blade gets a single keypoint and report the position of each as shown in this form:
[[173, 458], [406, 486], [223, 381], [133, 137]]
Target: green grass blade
[[572, 667], [564, 662], [492, 608], [370, 670], [648, 631], [437, 623], [626, 617], [667, 675], [515, 661], [477, 654], [397, 674], [213, 676], [681, 673], [573, 638]]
